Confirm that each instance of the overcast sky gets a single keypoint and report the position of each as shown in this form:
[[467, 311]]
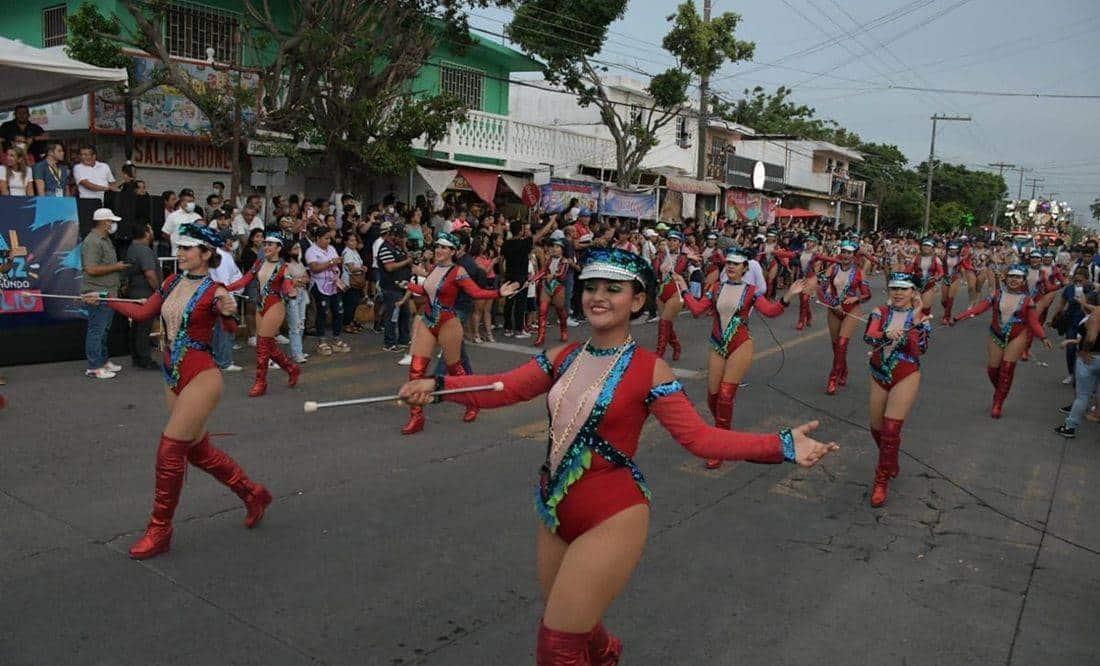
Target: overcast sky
[[860, 47]]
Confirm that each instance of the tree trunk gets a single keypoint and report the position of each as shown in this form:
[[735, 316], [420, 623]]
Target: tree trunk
[[129, 138]]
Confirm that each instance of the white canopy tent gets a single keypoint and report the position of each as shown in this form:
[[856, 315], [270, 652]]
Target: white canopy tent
[[39, 76]]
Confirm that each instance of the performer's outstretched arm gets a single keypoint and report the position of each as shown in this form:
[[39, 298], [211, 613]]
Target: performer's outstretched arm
[[528, 381]]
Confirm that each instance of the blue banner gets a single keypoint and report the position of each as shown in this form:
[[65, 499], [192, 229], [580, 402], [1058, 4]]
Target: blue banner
[[618, 202], [40, 240], [557, 194]]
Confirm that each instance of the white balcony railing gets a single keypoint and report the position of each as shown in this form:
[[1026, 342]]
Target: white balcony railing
[[522, 145]]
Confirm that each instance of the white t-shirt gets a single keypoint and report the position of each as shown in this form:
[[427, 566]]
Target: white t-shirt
[[98, 174], [374, 251], [227, 270], [19, 182], [172, 224]]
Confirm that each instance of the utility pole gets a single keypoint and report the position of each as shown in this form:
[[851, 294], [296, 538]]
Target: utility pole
[[1034, 185], [1020, 187], [701, 135], [931, 167], [997, 205]]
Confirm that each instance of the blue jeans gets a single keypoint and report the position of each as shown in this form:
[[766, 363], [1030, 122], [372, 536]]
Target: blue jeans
[[441, 366], [330, 302], [395, 318], [223, 347], [296, 322], [95, 340], [1088, 376], [570, 282]]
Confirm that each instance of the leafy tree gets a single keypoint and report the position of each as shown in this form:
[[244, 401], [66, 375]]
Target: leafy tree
[[1094, 208], [777, 113], [570, 58], [949, 216]]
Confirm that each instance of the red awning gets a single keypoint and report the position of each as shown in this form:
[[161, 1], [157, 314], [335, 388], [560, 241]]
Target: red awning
[[483, 183], [796, 212]]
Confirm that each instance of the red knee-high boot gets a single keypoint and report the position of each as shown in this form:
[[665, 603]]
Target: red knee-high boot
[[170, 469], [219, 465], [1004, 385], [674, 341], [458, 370], [604, 648], [889, 447], [723, 413], [834, 372], [663, 327], [948, 304], [1027, 348], [561, 648], [803, 311], [293, 370], [842, 353], [544, 313], [994, 374], [809, 311], [712, 399], [417, 368], [563, 324], [263, 355]]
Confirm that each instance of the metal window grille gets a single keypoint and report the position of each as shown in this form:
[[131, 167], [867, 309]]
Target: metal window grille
[[464, 83], [54, 31], [191, 28], [716, 165]]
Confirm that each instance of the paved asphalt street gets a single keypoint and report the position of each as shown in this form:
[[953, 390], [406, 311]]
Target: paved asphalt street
[[383, 549]]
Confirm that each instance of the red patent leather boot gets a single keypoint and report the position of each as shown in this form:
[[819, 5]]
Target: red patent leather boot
[[674, 340], [219, 465], [712, 399], [417, 369], [948, 305], [663, 327], [842, 354], [834, 373], [170, 469], [544, 313], [604, 648], [994, 374], [562, 648], [263, 355], [723, 413], [881, 488], [889, 448], [803, 307], [293, 370], [1004, 385], [458, 370], [563, 324]]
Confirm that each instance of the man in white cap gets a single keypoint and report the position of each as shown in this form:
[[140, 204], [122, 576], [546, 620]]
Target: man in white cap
[[101, 275]]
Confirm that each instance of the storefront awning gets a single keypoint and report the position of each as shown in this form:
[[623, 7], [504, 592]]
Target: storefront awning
[[691, 186], [796, 212], [39, 76], [482, 182]]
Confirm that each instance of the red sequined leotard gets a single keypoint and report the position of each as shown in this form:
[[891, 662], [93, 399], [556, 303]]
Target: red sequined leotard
[[441, 287], [189, 311], [892, 361], [275, 285], [732, 303], [599, 399], [1014, 314], [837, 284]]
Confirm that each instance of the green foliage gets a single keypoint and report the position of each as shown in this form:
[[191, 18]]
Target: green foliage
[[1094, 208], [94, 38], [777, 113], [948, 216], [702, 47]]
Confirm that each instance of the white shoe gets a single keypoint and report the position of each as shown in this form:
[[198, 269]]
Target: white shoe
[[302, 359], [232, 367], [522, 334], [573, 322], [654, 318], [407, 359], [272, 365], [100, 373], [1068, 380], [282, 339], [113, 367], [236, 346], [252, 341]]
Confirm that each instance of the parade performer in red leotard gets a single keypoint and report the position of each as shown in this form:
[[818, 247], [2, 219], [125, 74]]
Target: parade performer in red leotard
[[440, 324], [927, 270], [668, 294], [956, 266], [731, 345], [190, 305], [1014, 316], [275, 288], [843, 290], [898, 334], [552, 291], [811, 263], [592, 498]]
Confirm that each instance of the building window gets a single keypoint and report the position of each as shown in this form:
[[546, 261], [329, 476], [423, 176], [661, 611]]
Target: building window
[[716, 164], [53, 26], [190, 29], [464, 83], [683, 132]]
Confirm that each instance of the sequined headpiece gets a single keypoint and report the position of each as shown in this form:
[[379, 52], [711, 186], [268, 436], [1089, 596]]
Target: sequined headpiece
[[445, 239], [676, 235], [1019, 270], [929, 242], [902, 280], [618, 265], [736, 255], [194, 235], [848, 245]]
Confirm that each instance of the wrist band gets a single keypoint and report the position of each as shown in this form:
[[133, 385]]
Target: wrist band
[[787, 439]]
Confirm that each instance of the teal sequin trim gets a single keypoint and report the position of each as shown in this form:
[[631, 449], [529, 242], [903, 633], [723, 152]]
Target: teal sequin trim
[[787, 439], [554, 484], [663, 391], [884, 370], [265, 289], [596, 351], [183, 341], [545, 363]]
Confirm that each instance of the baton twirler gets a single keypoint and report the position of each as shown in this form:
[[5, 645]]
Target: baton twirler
[[102, 296], [311, 406], [846, 314]]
